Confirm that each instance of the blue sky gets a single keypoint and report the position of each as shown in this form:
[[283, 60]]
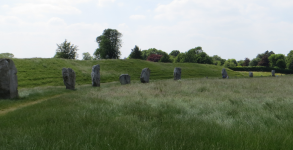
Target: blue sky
[[228, 28]]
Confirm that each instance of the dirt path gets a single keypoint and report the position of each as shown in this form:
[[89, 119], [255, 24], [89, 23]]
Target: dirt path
[[22, 105]]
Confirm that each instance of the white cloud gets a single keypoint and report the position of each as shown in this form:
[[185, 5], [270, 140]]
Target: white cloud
[[102, 3], [55, 21], [10, 20], [5, 6], [137, 17], [122, 25], [40, 9], [62, 2]]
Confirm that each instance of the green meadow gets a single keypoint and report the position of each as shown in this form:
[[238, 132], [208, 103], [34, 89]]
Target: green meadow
[[192, 113]]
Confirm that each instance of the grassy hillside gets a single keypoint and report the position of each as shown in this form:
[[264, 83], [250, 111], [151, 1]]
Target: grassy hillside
[[47, 72]]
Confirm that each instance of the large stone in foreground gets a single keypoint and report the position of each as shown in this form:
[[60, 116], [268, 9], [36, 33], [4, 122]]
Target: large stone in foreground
[[250, 74], [177, 73], [273, 73], [224, 73], [145, 75], [124, 79], [68, 78], [96, 78], [8, 79]]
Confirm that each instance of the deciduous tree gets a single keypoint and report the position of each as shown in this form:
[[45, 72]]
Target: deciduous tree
[[109, 44]]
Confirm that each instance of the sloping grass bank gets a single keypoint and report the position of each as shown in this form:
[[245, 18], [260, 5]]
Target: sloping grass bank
[[236, 114], [47, 72]]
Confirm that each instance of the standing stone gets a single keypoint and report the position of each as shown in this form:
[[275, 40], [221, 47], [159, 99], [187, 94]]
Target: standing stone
[[250, 74], [8, 79], [96, 75], [124, 79], [273, 73], [145, 75], [177, 73], [68, 78], [224, 73]]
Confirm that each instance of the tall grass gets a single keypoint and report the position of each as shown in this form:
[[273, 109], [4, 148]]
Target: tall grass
[[247, 113]]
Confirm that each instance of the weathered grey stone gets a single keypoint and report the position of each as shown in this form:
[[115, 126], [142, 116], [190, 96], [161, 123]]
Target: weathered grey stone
[[224, 73], [250, 74], [273, 73], [177, 73], [8, 79], [68, 78], [124, 79], [145, 75], [96, 75]]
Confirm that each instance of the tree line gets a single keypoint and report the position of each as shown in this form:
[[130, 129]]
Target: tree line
[[110, 42]]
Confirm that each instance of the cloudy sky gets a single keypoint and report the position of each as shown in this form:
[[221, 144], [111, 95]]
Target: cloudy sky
[[228, 28]]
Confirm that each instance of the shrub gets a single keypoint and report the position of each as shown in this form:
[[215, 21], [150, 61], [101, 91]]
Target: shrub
[[154, 57]]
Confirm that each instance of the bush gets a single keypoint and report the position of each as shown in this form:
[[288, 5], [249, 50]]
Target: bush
[[154, 57], [165, 58], [261, 68]]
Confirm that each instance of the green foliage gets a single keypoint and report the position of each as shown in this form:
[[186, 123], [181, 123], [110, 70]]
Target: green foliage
[[87, 56], [277, 60], [246, 62], [180, 58], [254, 62], [146, 53], [289, 60], [240, 63], [262, 68], [267, 53], [66, 50], [217, 60], [194, 55], [175, 53], [230, 63], [6, 55], [135, 53], [165, 58], [260, 60], [109, 44], [264, 61]]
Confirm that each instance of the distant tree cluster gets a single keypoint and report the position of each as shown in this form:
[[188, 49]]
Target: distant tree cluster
[[194, 55], [110, 43]]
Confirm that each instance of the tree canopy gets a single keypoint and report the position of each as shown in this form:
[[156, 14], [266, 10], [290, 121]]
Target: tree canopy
[[147, 53], [175, 53], [277, 60], [194, 55], [289, 60], [109, 44], [136, 53], [230, 63], [86, 56], [246, 62], [66, 50], [6, 55], [165, 58]]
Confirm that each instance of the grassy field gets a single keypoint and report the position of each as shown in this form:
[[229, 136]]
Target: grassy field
[[242, 113], [47, 72]]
